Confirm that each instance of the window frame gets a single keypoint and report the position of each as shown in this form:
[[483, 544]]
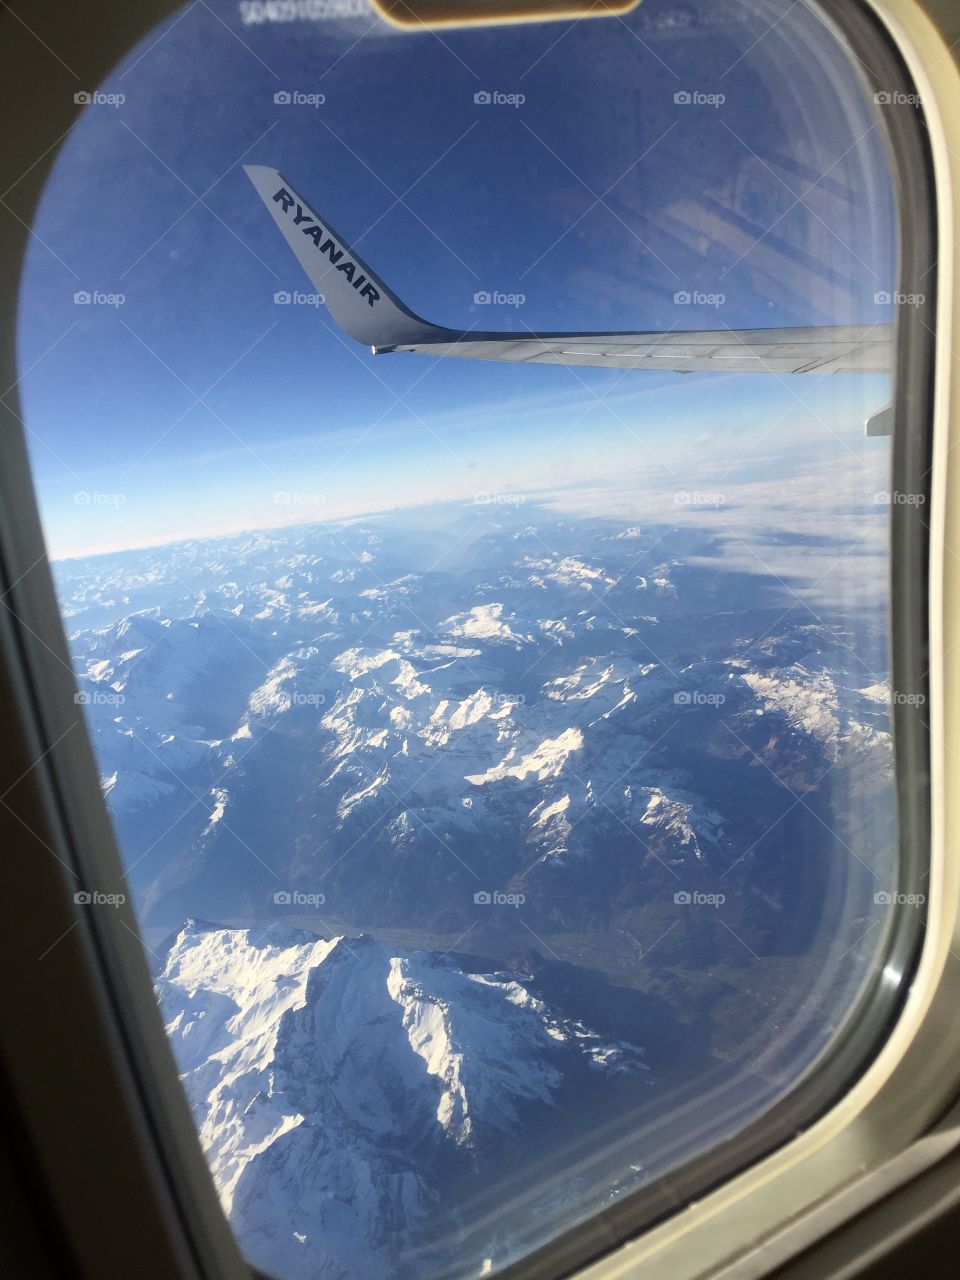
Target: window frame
[[98, 960]]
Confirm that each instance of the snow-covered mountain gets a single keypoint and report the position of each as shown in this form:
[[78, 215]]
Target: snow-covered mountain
[[515, 823], [329, 710], [342, 1088]]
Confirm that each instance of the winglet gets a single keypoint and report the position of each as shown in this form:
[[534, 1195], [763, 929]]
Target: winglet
[[355, 296]]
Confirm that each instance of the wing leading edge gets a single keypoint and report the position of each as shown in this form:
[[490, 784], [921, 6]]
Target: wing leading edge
[[366, 309]]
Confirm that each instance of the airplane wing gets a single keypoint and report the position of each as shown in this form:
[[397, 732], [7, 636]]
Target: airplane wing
[[366, 309]]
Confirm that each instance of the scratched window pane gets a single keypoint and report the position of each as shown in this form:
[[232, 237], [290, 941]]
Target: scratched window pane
[[479, 598]]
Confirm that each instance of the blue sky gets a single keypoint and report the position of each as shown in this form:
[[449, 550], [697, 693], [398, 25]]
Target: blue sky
[[200, 405]]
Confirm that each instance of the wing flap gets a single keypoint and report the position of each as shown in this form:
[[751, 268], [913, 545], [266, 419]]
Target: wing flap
[[818, 349]]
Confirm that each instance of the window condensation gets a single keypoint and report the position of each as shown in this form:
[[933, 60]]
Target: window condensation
[[500, 752]]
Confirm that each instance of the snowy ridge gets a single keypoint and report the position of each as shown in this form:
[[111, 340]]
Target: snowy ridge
[[550, 710], [841, 717], [313, 1066]]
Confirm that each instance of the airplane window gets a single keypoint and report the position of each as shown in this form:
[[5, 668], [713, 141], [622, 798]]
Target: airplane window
[[479, 600]]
